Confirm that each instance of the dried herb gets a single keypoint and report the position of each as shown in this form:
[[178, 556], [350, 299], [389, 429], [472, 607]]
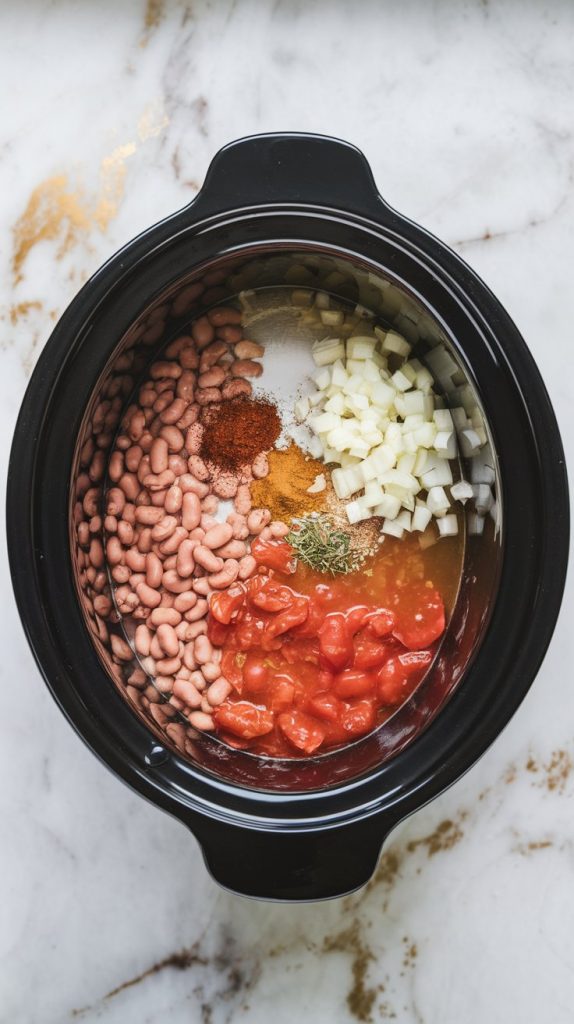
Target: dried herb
[[319, 545]]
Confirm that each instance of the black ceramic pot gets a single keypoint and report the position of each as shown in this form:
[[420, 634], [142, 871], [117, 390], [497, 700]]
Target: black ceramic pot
[[305, 210]]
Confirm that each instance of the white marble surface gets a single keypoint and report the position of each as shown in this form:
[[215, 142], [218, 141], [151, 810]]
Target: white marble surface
[[110, 115]]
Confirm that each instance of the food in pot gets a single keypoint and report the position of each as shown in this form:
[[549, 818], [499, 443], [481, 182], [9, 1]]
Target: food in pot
[[265, 596]]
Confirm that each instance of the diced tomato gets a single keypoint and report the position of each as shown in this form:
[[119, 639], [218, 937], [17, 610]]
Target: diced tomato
[[217, 633], [312, 624], [353, 683], [281, 694], [243, 719], [225, 603], [326, 706], [285, 620], [369, 653], [231, 663], [355, 617], [248, 632], [335, 642], [381, 622], [255, 674], [394, 678], [424, 624], [304, 732], [273, 597], [359, 718], [274, 554]]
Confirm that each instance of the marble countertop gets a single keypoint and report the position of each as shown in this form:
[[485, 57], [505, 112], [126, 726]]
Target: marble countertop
[[111, 113]]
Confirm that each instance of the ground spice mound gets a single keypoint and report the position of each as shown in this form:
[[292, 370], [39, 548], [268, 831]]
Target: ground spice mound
[[284, 490], [238, 430]]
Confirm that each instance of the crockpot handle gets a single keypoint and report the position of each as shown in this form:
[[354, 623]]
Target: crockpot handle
[[289, 168], [292, 867]]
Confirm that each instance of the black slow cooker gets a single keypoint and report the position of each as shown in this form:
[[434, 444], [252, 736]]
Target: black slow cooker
[[302, 210]]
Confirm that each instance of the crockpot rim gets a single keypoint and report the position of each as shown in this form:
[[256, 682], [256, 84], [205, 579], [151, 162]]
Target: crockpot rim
[[86, 304]]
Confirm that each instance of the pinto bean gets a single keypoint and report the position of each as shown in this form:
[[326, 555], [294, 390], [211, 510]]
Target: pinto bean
[[200, 721], [188, 656], [211, 671], [144, 541], [194, 439], [205, 557], [232, 549], [185, 601], [190, 415], [207, 396], [121, 573], [187, 692], [232, 335], [173, 583], [148, 596], [115, 501], [170, 546], [161, 481], [173, 499], [168, 640], [185, 561], [257, 519], [191, 510], [235, 387], [199, 611], [226, 576], [135, 560], [225, 486], [202, 331], [168, 666], [158, 455], [278, 529], [218, 535], [247, 566], [177, 464], [174, 411], [212, 378], [125, 532], [201, 586], [153, 570], [173, 438], [102, 605], [114, 552], [186, 386], [164, 529], [218, 691], [246, 368], [198, 468], [161, 615], [224, 315], [238, 523], [203, 650], [188, 358], [210, 356], [142, 640], [121, 648], [242, 501], [136, 425], [260, 466], [130, 485], [96, 552], [188, 482], [248, 349], [165, 369]]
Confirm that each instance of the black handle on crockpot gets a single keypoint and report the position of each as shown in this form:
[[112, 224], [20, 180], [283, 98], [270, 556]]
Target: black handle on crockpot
[[292, 866], [289, 167]]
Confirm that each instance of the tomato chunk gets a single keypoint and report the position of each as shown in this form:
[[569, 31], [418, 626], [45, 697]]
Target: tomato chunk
[[255, 673], [394, 678], [359, 718], [335, 642], [326, 706], [225, 603], [381, 622], [353, 683], [274, 554], [369, 653], [243, 719], [301, 730], [292, 616], [231, 664], [422, 626], [273, 597]]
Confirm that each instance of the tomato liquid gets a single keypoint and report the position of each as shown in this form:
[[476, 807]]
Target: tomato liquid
[[317, 662]]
